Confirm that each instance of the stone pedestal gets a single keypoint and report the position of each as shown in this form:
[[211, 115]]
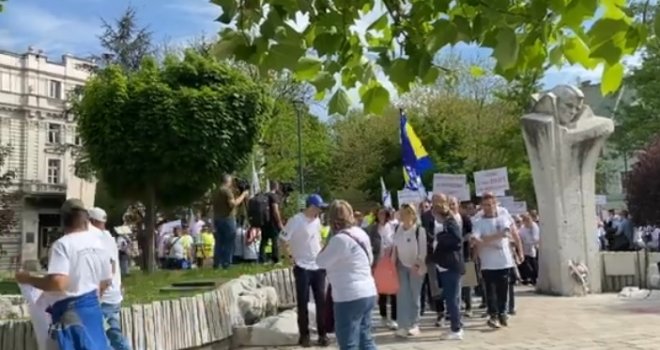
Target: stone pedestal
[[564, 140]]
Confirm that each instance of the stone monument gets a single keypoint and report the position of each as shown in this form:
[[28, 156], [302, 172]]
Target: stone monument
[[564, 140]]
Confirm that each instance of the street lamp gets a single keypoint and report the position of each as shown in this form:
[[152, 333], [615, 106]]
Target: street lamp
[[301, 179]]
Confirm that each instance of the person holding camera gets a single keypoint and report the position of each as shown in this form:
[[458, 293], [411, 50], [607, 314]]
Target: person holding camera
[[224, 219]]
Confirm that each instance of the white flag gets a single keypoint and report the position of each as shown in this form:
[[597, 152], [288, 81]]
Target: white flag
[[385, 195], [255, 187]]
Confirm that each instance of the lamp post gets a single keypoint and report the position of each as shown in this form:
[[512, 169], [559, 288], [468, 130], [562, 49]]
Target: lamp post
[[301, 179]]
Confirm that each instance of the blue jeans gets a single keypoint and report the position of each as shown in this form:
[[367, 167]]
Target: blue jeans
[[451, 292], [408, 303], [353, 324], [111, 314], [78, 323], [225, 235]]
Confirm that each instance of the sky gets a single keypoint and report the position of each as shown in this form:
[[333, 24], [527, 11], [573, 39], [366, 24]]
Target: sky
[[73, 26]]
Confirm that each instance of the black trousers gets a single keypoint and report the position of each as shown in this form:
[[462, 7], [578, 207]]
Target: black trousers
[[306, 279], [529, 269], [382, 305], [269, 234], [497, 291]]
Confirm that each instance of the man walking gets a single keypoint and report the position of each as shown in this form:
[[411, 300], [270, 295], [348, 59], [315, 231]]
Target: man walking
[[78, 271], [112, 298], [303, 236], [272, 224], [224, 216]]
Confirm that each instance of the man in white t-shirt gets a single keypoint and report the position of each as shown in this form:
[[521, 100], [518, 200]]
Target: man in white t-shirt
[[491, 234], [302, 234], [112, 298], [79, 269]]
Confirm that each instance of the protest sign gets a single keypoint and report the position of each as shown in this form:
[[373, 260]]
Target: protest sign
[[518, 208], [506, 202], [493, 180], [454, 185], [409, 197], [601, 199]]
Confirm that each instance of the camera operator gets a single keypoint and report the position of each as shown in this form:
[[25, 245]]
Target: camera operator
[[224, 219]]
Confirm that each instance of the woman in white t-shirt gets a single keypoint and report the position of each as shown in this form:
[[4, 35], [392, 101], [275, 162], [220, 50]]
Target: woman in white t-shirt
[[530, 236], [347, 260], [491, 234], [410, 258], [381, 234]]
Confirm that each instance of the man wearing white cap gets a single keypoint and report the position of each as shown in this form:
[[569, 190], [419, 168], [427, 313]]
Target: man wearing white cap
[[111, 299]]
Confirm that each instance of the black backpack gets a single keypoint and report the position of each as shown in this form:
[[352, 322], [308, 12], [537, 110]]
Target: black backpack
[[259, 210]]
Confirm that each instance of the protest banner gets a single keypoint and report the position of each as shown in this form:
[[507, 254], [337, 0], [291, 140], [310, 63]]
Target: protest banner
[[409, 197], [601, 199], [493, 180], [506, 202], [454, 185], [518, 208]]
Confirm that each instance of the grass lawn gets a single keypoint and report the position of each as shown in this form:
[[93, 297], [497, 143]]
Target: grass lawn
[[142, 288]]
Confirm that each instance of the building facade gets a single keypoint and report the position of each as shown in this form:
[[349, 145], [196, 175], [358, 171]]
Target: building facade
[[34, 123]]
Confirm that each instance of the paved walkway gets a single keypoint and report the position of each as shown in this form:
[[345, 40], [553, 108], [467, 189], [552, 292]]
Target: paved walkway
[[597, 322]]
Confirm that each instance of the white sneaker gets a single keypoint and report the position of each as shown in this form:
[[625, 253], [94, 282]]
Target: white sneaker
[[391, 325], [454, 335], [401, 332], [414, 331], [385, 322]]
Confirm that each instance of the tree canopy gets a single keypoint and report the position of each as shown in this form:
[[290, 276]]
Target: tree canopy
[[9, 198], [164, 134], [125, 43], [353, 41], [643, 186]]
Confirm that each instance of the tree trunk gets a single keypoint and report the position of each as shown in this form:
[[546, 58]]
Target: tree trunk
[[150, 229]]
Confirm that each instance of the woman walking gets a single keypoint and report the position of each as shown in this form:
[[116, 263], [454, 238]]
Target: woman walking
[[381, 234], [409, 255], [347, 259]]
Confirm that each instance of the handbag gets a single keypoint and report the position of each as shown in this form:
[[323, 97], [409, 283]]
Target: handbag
[[386, 276]]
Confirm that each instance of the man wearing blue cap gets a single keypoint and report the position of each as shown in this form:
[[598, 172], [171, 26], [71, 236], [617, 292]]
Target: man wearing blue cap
[[302, 234]]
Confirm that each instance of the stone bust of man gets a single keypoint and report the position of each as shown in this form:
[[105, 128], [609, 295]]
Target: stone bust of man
[[564, 102]]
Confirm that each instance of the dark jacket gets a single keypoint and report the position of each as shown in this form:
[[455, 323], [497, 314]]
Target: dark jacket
[[448, 252], [467, 230], [375, 239]]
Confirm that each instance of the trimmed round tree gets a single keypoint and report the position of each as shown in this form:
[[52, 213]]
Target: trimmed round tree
[[643, 186], [162, 135]]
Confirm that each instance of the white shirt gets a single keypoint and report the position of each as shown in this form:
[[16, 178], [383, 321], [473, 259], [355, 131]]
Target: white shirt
[[303, 235], [530, 239], [163, 243], [112, 295], [410, 250], [495, 255], [348, 265], [501, 211], [82, 257], [176, 250], [386, 233]]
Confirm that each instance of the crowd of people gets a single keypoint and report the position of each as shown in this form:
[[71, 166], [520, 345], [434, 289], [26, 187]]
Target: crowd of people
[[617, 232], [404, 261]]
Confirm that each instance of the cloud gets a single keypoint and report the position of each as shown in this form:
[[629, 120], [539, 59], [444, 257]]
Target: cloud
[[195, 8], [31, 25]]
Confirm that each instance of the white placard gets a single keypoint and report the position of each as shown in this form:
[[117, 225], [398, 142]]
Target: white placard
[[409, 197], [493, 180], [601, 199], [37, 304], [454, 185], [506, 201], [518, 208]]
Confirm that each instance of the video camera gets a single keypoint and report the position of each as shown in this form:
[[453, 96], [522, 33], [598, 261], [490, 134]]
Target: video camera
[[287, 188], [242, 185]]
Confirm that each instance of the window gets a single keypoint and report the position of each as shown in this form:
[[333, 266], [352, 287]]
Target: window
[[54, 133], [54, 170], [77, 141], [55, 89]]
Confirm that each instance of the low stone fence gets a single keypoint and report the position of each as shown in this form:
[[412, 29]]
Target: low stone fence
[[184, 323], [625, 269]]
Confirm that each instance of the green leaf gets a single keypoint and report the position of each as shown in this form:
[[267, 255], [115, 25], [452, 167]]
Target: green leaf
[[283, 55], [401, 74], [444, 32], [555, 55], [229, 10], [339, 103], [323, 81], [431, 76], [327, 43], [380, 24], [506, 49], [375, 98], [477, 71], [307, 68], [577, 11], [612, 78], [577, 52], [608, 51]]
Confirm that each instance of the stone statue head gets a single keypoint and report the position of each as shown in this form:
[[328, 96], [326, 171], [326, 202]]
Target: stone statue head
[[569, 104]]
